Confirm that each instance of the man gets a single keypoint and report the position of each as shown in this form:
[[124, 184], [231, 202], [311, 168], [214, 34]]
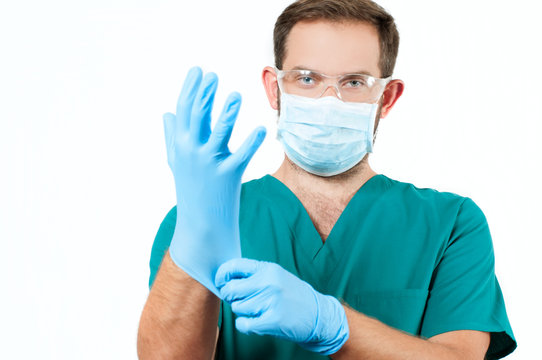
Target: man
[[337, 260]]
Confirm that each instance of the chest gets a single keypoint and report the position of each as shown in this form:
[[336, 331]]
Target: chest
[[381, 268], [323, 212]]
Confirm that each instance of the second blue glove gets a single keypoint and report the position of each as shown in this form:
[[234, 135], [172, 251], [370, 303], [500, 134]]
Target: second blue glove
[[268, 300]]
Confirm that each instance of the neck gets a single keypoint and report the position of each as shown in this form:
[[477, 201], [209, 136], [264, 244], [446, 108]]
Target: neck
[[339, 187]]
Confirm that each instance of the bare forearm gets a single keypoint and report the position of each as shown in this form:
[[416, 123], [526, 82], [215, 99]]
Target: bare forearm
[[370, 339], [179, 319]]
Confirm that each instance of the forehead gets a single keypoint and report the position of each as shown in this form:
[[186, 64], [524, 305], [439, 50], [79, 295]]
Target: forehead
[[333, 48]]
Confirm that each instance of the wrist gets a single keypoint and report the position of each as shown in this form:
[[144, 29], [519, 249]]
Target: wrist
[[331, 329], [195, 248]]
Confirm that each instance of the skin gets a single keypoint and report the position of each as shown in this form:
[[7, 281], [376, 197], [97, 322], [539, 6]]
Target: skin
[[180, 316], [315, 46]]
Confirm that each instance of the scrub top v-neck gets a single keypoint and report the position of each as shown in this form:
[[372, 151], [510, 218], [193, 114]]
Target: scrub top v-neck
[[306, 254], [416, 259]]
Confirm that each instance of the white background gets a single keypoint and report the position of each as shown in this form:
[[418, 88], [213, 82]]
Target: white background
[[84, 178]]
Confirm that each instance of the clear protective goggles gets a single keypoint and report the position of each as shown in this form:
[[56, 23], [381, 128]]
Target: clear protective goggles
[[359, 88]]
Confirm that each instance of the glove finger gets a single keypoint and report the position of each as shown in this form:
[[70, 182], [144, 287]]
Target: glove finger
[[185, 101], [222, 131], [242, 156], [238, 268], [169, 121], [259, 325], [250, 306], [239, 289], [200, 120]]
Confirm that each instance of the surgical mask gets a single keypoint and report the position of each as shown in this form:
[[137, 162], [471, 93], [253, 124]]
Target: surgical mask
[[325, 136]]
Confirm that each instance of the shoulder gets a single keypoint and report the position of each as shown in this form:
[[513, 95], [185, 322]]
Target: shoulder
[[444, 205], [253, 190], [254, 185], [425, 196]]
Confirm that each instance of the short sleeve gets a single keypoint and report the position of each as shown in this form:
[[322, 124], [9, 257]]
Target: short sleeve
[[161, 242], [464, 292], [161, 245]]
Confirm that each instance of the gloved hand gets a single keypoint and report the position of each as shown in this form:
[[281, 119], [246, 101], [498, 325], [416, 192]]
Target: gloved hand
[[207, 178], [269, 300]]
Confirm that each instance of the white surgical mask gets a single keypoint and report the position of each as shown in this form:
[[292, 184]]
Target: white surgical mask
[[325, 136]]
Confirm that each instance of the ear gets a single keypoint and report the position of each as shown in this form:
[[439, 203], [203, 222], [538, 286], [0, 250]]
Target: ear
[[269, 78], [393, 91]]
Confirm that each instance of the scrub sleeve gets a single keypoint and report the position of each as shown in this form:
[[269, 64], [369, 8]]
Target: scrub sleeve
[[465, 293]]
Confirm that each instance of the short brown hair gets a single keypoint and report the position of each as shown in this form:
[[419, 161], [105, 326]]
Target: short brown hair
[[340, 11]]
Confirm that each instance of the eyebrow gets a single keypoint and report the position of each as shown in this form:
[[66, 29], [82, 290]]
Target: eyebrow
[[364, 72]]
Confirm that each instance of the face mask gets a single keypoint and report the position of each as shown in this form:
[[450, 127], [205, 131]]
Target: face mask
[[325, 136]]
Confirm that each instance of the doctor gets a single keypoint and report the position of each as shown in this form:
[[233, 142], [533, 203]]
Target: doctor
[[324, 257]]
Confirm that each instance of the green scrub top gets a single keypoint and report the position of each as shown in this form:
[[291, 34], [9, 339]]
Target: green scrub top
[[416, 259]]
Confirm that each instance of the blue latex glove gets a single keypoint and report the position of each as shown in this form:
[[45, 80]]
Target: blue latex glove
[[269, 300], [207, 178]]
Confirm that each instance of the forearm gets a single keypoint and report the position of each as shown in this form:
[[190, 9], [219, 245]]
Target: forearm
[[370, 339], [179, 319]]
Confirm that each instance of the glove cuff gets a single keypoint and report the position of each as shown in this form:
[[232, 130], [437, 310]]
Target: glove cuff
[[202, 275], [189, 251], [331, 330]]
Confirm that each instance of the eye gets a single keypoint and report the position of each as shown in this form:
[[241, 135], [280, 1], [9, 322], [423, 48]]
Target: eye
[[354, 82], [306, 80]]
